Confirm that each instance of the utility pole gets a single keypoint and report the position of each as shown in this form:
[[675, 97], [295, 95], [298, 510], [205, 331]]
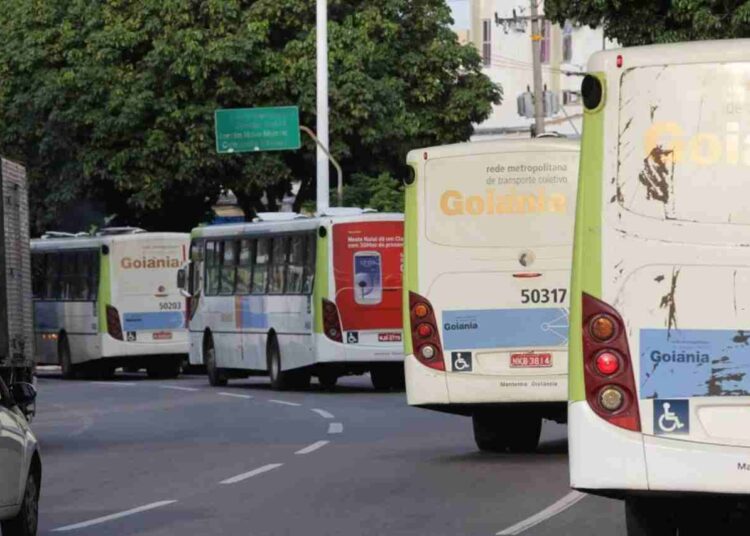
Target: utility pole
[[536, 54], [321, 48]]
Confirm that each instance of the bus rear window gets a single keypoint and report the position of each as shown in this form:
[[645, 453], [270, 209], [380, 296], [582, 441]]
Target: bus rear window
[[686, 158], [501, 200]]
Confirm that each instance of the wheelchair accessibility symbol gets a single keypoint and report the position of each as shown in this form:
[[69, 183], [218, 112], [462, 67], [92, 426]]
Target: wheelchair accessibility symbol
[[352, 337], [461, 361], [671, 417]]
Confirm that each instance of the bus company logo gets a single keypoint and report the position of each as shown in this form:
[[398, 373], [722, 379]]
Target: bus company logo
[[700, 148], [389, 337], [460, 326], [456, 203], [679, 357], [149, 263]]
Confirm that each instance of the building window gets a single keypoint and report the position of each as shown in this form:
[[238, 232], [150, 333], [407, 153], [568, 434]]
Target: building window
[[567, 42], [487, 42], [544, 50]]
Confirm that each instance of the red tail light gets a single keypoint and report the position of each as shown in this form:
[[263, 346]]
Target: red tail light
[[424, 333], [332, 321], [114, 328], [607, 368]]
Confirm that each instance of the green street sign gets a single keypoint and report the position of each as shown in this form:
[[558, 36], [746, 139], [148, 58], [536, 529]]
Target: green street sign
[[248, 130]]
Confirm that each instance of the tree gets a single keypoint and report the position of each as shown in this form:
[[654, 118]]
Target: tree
[[110, 103], [641, 22]]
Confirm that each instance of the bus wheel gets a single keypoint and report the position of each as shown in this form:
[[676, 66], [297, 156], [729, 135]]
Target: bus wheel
[[215, 376], [280, 380], [526, 431], [649, 517], [490, 433], [69, 370]]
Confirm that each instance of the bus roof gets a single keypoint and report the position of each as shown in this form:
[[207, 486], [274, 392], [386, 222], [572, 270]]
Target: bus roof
[[725, 51], [493, 146], [291, 225], [84, 242]]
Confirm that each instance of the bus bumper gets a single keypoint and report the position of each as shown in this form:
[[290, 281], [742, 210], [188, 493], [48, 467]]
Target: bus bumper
[[112, 347], [424, 386], [336, 352]]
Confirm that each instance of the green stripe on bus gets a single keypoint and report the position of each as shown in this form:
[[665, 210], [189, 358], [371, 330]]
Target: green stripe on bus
[[105, 291], [320, 287], [410, 255], [587, 251]]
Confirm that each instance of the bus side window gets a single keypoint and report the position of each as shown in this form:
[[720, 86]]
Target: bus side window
[[212, 268], [260, 266], [278, 264], [68, 277], [53, 286], [38, 272], [228, 267], [245, 267], [310, 254], [82, 279], [196, 267], [295, 268], [93, 275]]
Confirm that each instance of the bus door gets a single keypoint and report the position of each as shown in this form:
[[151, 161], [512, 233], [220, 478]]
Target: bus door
[[367, 264], [678, 264], [497, 256]]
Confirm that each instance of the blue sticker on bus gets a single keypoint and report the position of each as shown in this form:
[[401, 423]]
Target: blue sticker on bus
[[671, 417], [682, 363], [152, 320], [251, 312], [505, 328]]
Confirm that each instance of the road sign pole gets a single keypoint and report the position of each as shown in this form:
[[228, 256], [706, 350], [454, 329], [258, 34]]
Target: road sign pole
[[322, 104], [339, 171]]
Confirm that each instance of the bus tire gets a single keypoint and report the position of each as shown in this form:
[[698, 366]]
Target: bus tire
[[280, 380], [526, 431], [648, 517], [216, 378], [25, 522], [490, 434], [69, 370]]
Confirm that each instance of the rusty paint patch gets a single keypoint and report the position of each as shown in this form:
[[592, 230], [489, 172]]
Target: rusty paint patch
[[654, 107], [659, 278], [716, 382], [656, 176], [741, 338], [668, 302]]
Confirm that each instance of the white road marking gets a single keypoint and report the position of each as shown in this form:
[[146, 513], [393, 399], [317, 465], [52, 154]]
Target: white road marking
[[250, 474], [323, 413], [284, 402], [335, 428], [236, 395], [311, 448], [560, 506], [118, 384], [178, 388], [112, 517]]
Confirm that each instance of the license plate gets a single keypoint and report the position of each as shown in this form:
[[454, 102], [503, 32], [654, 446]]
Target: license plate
[[530, 360], [162, 335], [389, 337]]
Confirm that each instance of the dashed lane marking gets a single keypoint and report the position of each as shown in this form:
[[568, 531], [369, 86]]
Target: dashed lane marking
[[284, 402], [312, 448], [236, 395], [323, 413], [112, 517], [250, 474], [560, 506], [178, 388], [335, 428]]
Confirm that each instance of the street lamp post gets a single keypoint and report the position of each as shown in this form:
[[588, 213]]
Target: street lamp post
[[322, 103]]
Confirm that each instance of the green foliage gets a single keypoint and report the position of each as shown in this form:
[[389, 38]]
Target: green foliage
[[110, 103], [640, 22], [381, 192]]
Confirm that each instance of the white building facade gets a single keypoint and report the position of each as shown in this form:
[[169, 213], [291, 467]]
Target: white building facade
[[506, 48]]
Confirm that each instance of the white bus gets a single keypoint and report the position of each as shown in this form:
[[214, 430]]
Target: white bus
[[659, 354], [110, 300], [293, 296], [488, 245]]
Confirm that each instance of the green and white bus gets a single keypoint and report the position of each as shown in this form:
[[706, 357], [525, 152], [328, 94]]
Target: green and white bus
[[294, 297], [660, 320], [488, 245], [110, 300]]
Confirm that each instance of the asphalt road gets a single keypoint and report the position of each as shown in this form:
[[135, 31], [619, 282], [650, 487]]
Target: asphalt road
[[163, 458]]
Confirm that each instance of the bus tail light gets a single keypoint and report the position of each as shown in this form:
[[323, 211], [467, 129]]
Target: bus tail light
[[608, 369], [332, 321], [424, 333], [114, 328]]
